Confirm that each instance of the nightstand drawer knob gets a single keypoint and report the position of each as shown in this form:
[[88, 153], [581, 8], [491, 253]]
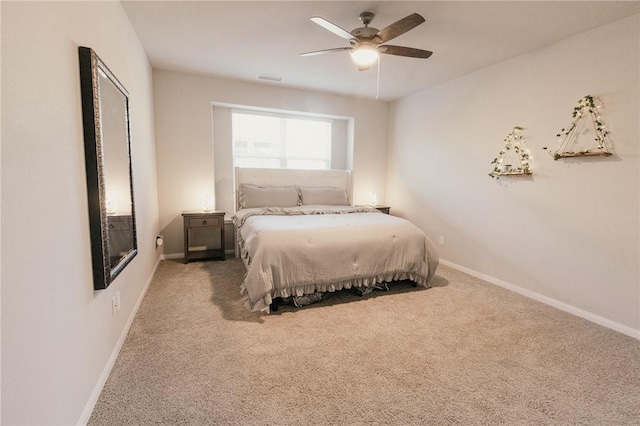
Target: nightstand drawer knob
[[204, 222]]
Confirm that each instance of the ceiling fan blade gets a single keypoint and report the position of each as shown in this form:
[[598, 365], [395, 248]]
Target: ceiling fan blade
[[404, 51], [333, 28], [400, 27], [320, 52]]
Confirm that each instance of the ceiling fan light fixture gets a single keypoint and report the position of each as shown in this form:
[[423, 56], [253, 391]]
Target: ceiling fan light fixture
[[365, 56]]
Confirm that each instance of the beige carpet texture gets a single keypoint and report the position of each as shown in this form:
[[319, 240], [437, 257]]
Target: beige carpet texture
[[464, 352]]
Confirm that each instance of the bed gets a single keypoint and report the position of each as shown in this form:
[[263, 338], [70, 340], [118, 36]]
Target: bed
[[299, 235]]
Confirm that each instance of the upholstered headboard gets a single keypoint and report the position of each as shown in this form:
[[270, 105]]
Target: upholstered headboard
[[279, 177]]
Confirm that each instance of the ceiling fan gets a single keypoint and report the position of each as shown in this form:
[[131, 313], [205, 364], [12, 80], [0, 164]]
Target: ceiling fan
[[367, 42]]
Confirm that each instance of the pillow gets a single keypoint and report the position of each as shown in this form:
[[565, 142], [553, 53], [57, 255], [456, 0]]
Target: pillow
[[252, 196], [326, 196]]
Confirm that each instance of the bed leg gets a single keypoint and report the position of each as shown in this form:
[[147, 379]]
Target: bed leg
[[273, 307]]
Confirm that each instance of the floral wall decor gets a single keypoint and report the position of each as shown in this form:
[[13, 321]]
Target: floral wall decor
[[568, 137], [514, 158]]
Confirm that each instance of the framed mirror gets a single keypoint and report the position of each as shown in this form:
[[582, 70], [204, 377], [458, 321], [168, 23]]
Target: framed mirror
[[107, 145]]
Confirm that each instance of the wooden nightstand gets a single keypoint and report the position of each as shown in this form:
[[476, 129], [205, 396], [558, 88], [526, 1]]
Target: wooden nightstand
[[206, 222], [383, 209]]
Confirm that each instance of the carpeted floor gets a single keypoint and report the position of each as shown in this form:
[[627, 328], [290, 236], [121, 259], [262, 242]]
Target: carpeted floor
[[463, 352]]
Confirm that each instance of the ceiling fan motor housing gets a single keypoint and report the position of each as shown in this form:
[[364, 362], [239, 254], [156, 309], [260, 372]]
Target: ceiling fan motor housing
[[365, 32]]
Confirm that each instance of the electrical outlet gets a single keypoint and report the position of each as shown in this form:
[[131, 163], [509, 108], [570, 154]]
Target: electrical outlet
[[115, 303], [441, 240]]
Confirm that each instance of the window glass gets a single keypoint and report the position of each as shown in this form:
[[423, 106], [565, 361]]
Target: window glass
[[280, 141]]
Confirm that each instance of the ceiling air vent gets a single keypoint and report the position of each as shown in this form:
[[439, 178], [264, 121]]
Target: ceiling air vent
[[269, 77]]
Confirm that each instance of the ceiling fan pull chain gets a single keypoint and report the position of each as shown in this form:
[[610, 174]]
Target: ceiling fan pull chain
[[378, 79]]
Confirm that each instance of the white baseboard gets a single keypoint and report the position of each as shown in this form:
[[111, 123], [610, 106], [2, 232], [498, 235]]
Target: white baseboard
[[621, 328], [97, 389]]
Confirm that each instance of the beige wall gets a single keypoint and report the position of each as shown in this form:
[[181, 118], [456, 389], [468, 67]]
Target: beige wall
[[187, 165], [59, 335], [570, 234]]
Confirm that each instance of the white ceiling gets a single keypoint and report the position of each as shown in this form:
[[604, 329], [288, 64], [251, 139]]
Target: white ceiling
[[239, 40]]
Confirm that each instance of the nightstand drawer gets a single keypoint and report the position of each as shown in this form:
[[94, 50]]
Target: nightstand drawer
[[208, 221]]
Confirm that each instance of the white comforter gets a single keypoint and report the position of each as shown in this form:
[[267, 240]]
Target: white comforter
[[300, 250]]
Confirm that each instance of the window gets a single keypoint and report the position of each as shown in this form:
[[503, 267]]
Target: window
[[280, 141]]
